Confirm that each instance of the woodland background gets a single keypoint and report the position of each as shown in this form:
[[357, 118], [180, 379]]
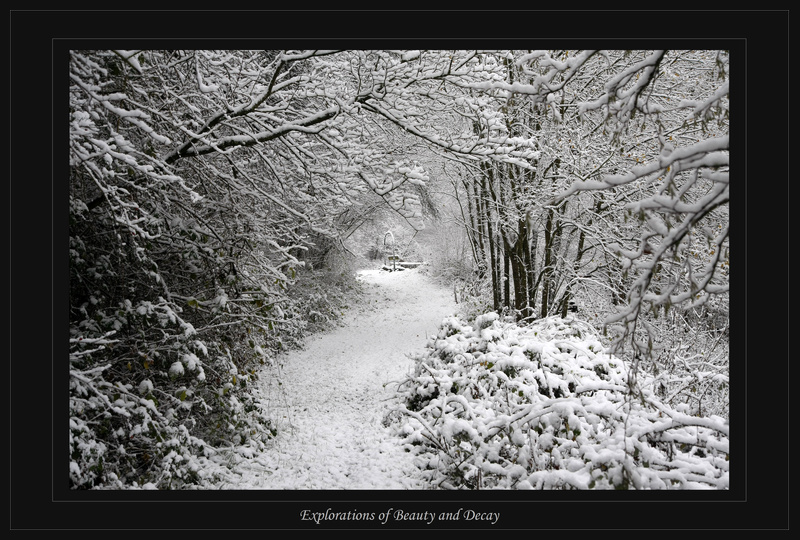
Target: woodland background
[[217, 198]]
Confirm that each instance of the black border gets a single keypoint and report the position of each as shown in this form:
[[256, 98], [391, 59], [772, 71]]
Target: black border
[[38, 44]]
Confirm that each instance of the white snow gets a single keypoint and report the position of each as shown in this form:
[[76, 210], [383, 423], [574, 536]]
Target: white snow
[[176, 369], [339, 425], [335, 394]]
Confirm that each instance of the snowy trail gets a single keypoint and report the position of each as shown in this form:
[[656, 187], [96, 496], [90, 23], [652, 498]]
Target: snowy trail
[[333, 399]]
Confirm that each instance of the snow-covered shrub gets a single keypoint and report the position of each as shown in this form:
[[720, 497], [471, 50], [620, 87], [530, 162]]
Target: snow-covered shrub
[[171, 302], [315, 302], [500, 406], [148, 398]]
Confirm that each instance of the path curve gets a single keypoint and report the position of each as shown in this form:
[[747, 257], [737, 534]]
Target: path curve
[[337, 391]]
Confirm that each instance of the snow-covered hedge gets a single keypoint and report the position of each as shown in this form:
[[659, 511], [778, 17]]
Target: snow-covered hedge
[[500, 406], [160, 414]]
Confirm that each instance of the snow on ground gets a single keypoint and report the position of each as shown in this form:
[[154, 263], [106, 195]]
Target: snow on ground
[[336, 392]]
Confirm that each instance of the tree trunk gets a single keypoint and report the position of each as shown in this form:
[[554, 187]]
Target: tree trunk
[[480, 232], [522, 249], [548, 261], [533, 283], [506, 279], [495, 271], [470, 222]]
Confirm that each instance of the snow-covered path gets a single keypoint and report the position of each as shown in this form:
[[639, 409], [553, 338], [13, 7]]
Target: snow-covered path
[[336, 392]]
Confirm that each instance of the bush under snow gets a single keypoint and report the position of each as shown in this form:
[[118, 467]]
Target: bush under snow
[[545, 406]]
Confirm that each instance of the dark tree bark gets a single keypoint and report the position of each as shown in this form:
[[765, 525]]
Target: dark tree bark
[[485, 201]]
